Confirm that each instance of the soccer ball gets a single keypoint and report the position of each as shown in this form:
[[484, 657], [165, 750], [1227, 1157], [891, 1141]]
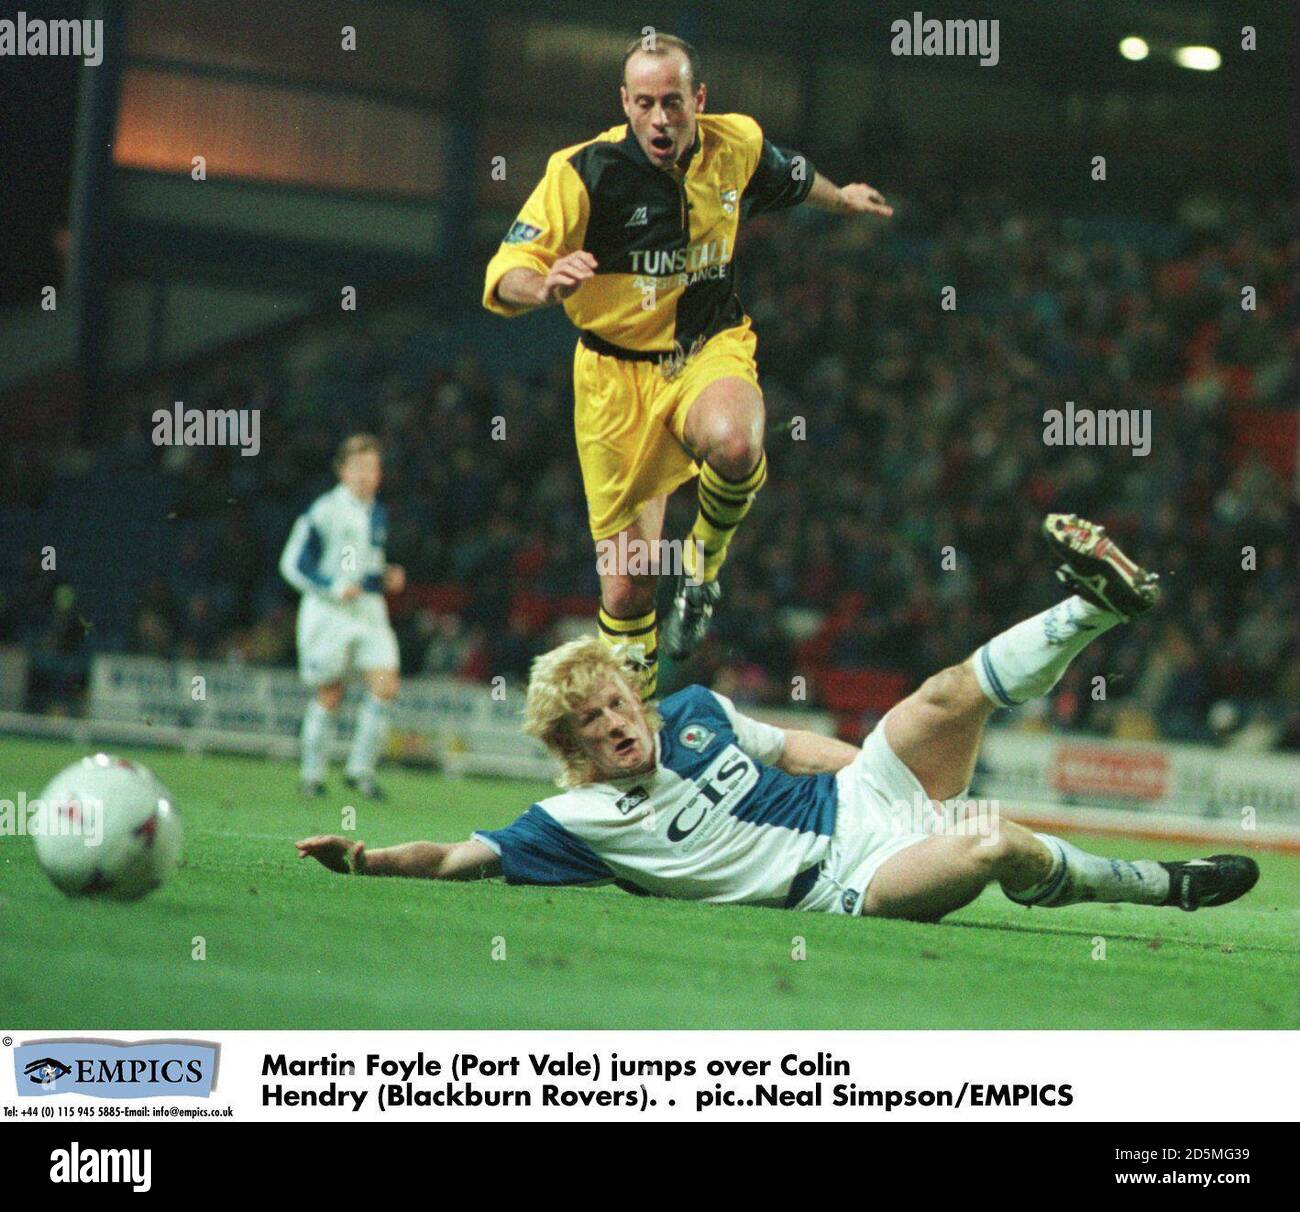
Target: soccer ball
[[109, 829]]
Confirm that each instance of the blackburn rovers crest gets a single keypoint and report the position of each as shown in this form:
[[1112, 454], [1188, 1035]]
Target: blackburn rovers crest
[[695, 736]]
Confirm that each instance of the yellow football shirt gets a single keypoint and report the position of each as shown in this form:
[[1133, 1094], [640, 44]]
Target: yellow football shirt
[[664, 241]]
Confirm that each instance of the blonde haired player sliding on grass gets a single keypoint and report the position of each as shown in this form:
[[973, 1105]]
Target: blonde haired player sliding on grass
[[634, 232], [335, 559], [699, 802]]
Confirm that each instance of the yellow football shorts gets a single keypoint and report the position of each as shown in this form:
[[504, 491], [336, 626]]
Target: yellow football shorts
[[630, 423]]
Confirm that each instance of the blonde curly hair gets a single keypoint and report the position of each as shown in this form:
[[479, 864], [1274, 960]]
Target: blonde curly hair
[[561, 681]]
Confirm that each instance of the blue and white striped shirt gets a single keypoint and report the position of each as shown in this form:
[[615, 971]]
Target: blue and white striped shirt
[[338, 542], [714, 821]]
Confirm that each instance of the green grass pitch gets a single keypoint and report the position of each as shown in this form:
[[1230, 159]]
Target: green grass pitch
[[289, 945]]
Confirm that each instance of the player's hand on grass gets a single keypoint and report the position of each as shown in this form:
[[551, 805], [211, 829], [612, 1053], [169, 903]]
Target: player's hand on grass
[[864, 200], [394, 578], [567, 274], [334, 853]]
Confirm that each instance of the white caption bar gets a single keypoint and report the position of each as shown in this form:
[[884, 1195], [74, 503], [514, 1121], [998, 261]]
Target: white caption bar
[[942, 1076]]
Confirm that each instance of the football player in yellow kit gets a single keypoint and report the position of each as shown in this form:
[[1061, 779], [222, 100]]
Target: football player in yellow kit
[[634, 233]]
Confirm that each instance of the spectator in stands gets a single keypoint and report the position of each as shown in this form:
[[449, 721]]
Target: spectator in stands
[[917, 434]]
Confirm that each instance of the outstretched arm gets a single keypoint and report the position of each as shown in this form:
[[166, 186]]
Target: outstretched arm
[[854, 199], [471, 860]]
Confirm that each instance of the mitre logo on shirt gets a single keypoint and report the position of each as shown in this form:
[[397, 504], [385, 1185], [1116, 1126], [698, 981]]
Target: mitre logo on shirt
[[633, 799]]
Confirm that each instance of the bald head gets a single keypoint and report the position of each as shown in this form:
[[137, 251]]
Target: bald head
[[661, 97], [657, 45]]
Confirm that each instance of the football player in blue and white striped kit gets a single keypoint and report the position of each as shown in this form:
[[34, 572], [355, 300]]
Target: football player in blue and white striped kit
[[335, 559], [696, 801]]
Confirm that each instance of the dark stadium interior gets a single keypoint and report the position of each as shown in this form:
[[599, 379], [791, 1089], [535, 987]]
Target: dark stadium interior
[[922, 429]]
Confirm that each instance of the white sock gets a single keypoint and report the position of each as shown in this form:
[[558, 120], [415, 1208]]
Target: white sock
[[317, 736], [369, 738], [1030, 658], [1079, 876]]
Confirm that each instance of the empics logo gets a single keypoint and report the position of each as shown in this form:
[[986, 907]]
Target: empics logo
[[109, 1069], [45, 1071], [77, 1165]]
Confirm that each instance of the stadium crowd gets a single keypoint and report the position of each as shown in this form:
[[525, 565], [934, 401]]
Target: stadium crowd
[[908, 471]]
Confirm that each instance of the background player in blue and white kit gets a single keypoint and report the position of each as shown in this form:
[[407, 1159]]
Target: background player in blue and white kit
[[699, 802], [335, 559]]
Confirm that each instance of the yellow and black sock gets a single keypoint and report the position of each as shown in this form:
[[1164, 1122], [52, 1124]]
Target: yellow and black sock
[[723, 503], [641, 637]]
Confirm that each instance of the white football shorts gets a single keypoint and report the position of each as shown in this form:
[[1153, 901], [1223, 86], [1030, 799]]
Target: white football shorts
[[882, 810], [337, 637]]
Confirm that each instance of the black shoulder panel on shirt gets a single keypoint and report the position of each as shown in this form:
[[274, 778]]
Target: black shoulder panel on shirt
[[781, 179], [632, 206]]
